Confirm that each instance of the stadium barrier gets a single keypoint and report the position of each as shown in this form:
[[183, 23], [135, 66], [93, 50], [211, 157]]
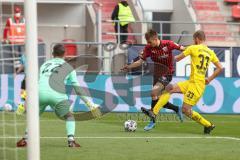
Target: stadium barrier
[[228, 56], [222, 96], [185, 30], [10, 56], [128, 94]]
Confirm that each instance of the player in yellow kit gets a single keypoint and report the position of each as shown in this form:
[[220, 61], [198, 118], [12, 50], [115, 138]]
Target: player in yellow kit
[[193, 89]]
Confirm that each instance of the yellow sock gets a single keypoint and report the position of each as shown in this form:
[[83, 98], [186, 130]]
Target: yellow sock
[[198, 118], [23, 94], [161, 102]]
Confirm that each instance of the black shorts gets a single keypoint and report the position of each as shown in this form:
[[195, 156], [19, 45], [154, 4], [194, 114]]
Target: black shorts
[[23, 84], [165, 80]]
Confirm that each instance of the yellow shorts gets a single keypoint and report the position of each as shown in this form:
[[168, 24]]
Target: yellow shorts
[[192, 91]]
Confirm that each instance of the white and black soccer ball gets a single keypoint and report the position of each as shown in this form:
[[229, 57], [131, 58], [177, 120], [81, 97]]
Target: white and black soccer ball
[[130, 126], [7, 107]]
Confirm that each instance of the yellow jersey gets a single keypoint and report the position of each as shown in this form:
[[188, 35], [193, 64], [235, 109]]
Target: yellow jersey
[[201, 56]]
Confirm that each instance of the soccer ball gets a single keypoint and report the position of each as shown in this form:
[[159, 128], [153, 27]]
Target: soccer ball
[[7, 107], [130, 126]]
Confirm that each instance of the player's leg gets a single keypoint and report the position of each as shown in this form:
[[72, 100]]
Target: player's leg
[[165, 80], [157, 88], [23, 142], [180, 87], [163, 100], [187, 110], [62, 110], [165, 96], [191, 97], [154, 95], [22, 105], [20, 110]]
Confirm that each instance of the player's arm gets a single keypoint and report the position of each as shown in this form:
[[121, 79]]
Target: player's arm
[[133, 65], [72, 78], [218, 70], [79, 91], [179, 57], [186, 52], [142, 57], [95, 109], [182, 48], [176, 46]]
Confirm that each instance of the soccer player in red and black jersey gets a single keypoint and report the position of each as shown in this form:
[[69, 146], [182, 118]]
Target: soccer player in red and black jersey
[[160, 51]]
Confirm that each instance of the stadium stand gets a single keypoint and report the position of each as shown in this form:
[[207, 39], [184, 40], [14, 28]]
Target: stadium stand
[[210, 11], [236, 12], [231, 1]]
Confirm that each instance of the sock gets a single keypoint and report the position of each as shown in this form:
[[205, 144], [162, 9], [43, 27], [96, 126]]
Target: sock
[[171, 106], [154, 102], [153, 120], [70, 138], [70, 126], [198, 118], [161, 102]]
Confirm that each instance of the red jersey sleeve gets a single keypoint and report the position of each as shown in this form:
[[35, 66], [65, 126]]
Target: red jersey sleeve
[[173, 45], [146, 52]]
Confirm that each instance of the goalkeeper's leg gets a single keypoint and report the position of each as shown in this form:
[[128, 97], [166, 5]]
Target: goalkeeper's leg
[[70, 127], [62, 110]]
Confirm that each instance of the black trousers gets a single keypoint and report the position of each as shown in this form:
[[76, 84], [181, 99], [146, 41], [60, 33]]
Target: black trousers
[[123, 29]]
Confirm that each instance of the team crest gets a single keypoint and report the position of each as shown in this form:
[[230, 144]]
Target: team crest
[[154, 52], [165, 49]]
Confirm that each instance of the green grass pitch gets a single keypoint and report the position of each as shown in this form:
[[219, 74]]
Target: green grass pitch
[[105, 139]]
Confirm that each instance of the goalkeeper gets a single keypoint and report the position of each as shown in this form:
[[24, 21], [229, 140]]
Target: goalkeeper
[[52, 92]]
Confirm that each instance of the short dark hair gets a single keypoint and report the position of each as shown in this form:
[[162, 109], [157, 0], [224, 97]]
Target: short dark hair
[[151, 34], [200, 35], [58, 50]]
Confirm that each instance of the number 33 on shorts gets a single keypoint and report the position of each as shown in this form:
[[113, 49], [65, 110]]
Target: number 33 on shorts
[[192, 92]]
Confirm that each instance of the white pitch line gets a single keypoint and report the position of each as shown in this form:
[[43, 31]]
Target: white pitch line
[[227, 138], [119, 121]]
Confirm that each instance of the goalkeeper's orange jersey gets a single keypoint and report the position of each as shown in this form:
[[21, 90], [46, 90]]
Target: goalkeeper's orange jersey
[[201, 56]]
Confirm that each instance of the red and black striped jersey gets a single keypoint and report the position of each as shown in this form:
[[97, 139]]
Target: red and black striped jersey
[[162, 54]]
